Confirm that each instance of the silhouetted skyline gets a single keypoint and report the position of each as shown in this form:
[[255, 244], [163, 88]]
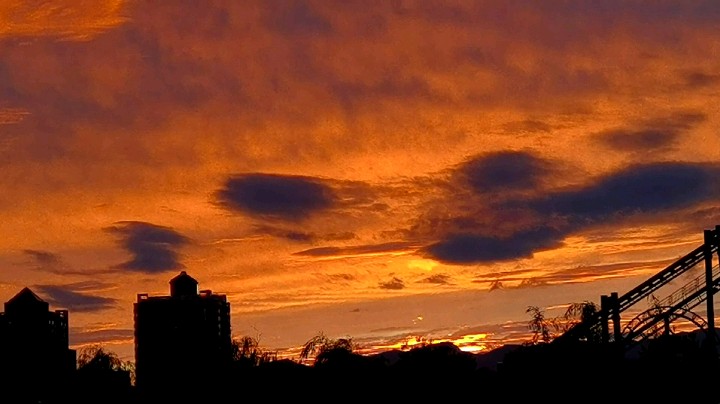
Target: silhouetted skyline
[[184, 350], [395, 172]]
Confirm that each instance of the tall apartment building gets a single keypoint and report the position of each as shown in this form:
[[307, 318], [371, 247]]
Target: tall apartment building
[[34, 344], [181, 339]]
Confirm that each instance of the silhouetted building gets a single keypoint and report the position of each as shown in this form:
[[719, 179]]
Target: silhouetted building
[[182, 339], [34, 348]]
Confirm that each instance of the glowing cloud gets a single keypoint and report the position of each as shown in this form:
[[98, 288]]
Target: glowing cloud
[[66, 19]]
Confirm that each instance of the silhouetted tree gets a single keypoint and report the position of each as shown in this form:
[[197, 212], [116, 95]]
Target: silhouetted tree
[[539, 325], [102, 373], [246, 352], [95, 358], [582, 312], [323, 347]]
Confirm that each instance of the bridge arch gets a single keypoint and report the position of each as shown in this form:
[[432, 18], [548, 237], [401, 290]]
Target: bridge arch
[[657, 320]]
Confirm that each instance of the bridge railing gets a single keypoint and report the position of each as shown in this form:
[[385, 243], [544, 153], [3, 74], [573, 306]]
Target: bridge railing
[[680, 308], [689, 288], [594, 324]]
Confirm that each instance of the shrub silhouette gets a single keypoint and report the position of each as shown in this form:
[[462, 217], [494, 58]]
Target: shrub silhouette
[[101, 373]]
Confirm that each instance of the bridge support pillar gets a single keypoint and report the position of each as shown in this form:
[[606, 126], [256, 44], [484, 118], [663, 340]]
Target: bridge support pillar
[[604, 310], [615, 310], [710, 238]]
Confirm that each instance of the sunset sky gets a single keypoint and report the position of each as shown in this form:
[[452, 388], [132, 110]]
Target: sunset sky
[[382, 170]]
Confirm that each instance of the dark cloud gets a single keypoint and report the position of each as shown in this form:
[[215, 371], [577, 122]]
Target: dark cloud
[[656, 134], [50, 262], [502, 171], [481, 219], [582, 17], [340, 236], [706, 215], [440, 279], [302, 236], [358, 250], [528, 125], [390, 86], [698, 79], [395, 284], [473, 248], [341, 277], [285, 197], [65, 296], [287, 234], [638, 189], [43, 258], [642, 140], [532, 282], [297, 18], [514, 275], [680, 120], [297, 236], [153, 247], [496, 285]]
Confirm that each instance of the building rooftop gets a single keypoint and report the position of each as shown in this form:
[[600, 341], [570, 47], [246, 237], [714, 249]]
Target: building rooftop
[[26, 299], [26, 296], [183, 285]]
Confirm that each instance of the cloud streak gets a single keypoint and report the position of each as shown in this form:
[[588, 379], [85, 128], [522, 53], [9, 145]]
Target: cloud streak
[[70, 296], [438, 279], [51, 262], [657, 134], [356, 250], [153, 248], [81, 336], [43, 258]]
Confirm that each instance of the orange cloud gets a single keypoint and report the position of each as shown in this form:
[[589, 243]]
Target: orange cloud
[[76, 20], [393, 111]]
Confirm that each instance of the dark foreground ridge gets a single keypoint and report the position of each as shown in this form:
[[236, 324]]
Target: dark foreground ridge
[[432, 372]]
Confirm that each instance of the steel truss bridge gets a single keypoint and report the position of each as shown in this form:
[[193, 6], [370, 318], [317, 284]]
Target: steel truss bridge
[[606, 324]]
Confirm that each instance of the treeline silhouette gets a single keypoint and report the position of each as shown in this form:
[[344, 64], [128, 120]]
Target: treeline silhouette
[[430, 371]]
